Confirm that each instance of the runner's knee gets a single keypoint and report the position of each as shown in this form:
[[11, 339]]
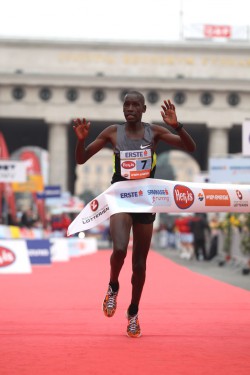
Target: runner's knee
[[139, 267], [119, 253]]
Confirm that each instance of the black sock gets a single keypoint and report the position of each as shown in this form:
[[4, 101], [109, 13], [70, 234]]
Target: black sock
[[133, 309], [114, 286]]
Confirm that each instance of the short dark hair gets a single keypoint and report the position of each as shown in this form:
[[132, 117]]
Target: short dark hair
[[136, 93]]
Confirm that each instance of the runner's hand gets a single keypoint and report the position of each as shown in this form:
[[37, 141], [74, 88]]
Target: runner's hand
[[81, 128], [168, 114]]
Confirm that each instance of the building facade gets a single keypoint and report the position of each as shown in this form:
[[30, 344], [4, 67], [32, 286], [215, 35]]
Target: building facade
[[45, 85]]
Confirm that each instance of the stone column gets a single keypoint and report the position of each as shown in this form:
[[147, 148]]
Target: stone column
[[58, 155], [218, 142]]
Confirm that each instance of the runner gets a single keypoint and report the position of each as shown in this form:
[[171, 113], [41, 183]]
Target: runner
[[141, 138]]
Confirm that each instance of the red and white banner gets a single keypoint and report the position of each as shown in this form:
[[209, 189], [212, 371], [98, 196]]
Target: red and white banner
[[215, 31], [14, 257], [154, 195]]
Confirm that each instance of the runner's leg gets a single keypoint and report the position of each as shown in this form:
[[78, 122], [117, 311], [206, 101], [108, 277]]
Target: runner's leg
[[120, 226], [142, 235]]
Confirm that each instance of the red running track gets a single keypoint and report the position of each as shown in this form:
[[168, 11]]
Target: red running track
[[52, 323]]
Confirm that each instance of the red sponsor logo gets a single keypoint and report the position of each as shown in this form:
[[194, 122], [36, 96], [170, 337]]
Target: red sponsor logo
[[7, 257], [216, 197], [217, 31], [239, 194], [94, 205], [139, 174], [183, 196], [128, 164]]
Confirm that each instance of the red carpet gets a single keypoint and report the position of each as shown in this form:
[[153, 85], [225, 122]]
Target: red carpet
[[51, 322]]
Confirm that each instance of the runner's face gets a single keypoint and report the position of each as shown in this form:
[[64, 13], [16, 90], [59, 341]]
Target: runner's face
[[133, 108]]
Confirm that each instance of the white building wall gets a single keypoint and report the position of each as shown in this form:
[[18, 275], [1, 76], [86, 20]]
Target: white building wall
[[190, 67]]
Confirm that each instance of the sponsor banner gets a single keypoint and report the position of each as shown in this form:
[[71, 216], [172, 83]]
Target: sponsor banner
[[154, 195], [53, 191], [14, 257], [12, 171], [36, 159], [32, 185], [27, 232], [215, 31], [246, 137], [74, 245], [216, 197], [90, 246], [15, 232], [5, 232], [38, 233], [39, 252], [59, 249], [229, 170], [183, 196], [12, 232], [78, 247]]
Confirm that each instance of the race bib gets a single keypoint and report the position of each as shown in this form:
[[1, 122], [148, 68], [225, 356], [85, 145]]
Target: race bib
[[135, 164]]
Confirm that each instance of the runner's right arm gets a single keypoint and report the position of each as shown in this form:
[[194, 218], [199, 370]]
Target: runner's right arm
[[81, 128]]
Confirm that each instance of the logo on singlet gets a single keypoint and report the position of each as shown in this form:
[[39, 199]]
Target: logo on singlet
[[142, 147]]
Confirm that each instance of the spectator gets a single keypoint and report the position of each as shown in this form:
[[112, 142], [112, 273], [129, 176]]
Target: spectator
[[214, 228], [199, 226], [11, 220], [27, 219], [182, 225]]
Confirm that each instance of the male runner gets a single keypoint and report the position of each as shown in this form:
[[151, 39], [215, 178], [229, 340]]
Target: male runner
[[133, 135]]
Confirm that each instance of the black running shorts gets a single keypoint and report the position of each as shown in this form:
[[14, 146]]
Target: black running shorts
[[143, 217]]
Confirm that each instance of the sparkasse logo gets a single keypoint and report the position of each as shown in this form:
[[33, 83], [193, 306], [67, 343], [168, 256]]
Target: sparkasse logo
[[183, 196]]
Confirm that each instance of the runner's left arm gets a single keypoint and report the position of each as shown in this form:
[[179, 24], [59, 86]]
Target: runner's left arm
[[182, 139]]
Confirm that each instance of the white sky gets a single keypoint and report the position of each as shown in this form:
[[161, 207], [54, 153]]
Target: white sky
[[119, 20]]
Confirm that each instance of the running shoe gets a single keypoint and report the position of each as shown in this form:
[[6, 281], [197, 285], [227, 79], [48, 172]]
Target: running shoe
[[133, 328], [109, 303]]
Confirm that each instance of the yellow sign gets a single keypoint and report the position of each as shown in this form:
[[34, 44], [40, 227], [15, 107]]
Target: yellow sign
[[33, 185], [15, 232]]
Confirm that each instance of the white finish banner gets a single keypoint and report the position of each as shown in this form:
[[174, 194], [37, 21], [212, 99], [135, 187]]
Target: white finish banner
[[13, 171], [154, 195]]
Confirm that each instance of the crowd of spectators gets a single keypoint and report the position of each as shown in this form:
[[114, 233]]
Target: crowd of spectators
[[28, 218], [193, 235]]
